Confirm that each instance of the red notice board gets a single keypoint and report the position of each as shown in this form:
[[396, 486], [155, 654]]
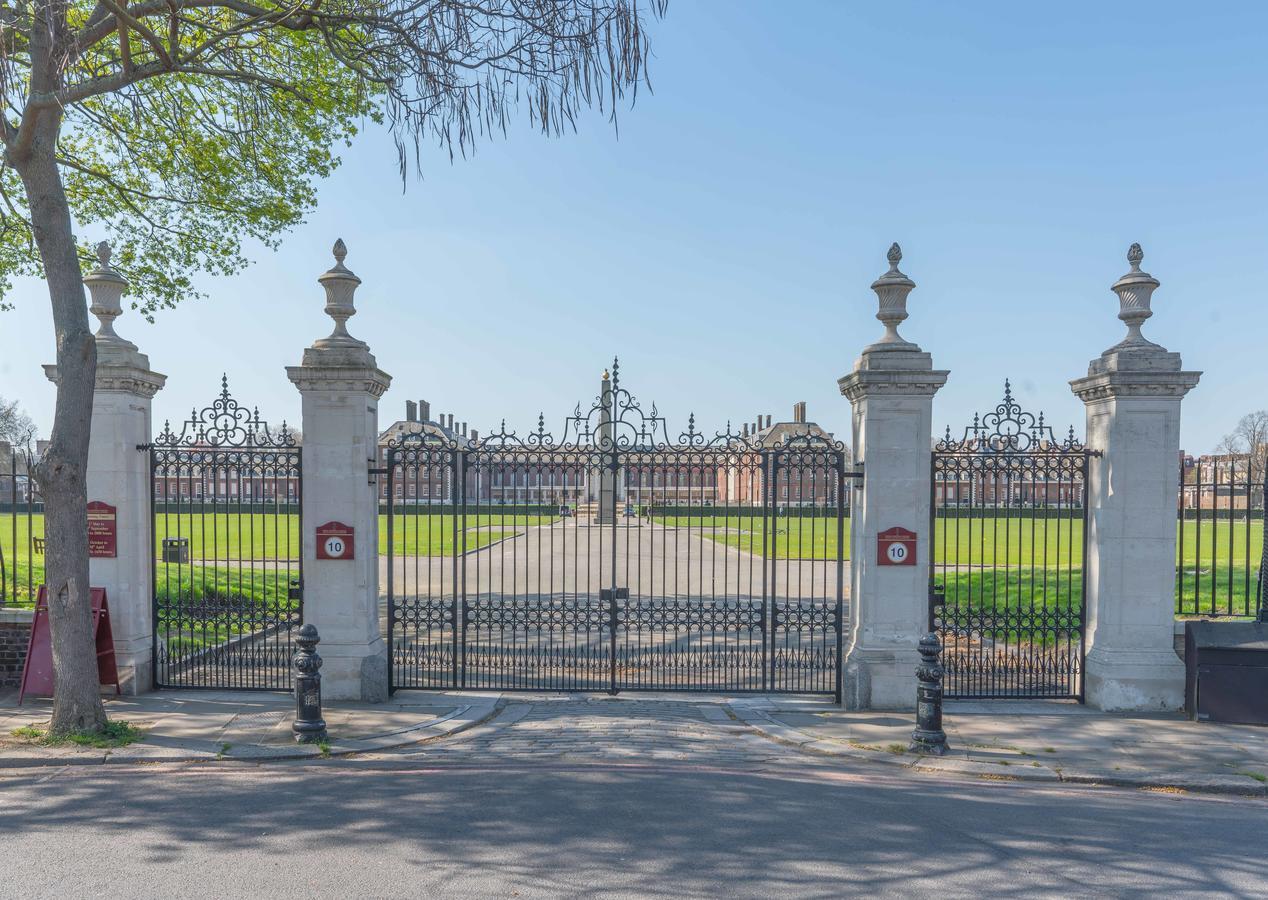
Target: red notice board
[[103, 530], [37, 671]]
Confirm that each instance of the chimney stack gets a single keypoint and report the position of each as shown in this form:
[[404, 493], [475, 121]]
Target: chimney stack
[[799, 413], [464, 429], [411, 411], [475, 435], [768, 420], [424, 411], [449, 422], [746, 429]]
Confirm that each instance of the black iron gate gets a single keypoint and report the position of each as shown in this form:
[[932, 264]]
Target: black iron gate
[[1009, 534], [227, 560], [614, 559]]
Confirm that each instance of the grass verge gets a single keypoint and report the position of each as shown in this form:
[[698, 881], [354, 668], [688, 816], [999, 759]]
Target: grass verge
[[115, 734]]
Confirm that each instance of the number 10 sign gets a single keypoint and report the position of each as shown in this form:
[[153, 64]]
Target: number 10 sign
[[896, 547], [335, 540]]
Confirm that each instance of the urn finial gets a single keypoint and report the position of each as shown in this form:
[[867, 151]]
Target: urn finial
[[105, 290], [340, 284], [891, 290], [1135, 294]]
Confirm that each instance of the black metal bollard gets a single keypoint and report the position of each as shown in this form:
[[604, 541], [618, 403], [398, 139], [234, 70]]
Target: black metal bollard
[[309, 726], [929, 737]]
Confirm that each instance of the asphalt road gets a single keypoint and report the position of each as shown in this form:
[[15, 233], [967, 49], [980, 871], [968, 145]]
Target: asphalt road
[[458, 825]]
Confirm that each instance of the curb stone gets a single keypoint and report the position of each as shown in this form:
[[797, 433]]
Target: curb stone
[[459, 720], [772, 729]]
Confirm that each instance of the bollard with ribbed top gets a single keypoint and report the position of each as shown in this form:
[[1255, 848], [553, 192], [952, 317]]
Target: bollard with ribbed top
[[929, 737], [309, 726]]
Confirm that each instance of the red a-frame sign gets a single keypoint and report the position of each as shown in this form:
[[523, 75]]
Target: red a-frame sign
[[37, 671]]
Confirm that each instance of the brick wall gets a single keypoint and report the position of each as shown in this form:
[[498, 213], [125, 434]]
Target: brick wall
[[15, 632]]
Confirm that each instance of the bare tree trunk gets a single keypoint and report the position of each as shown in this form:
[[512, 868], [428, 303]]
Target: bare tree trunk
[[62, 469]]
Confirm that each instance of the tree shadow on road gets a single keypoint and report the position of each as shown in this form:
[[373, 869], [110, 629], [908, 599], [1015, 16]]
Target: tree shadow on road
[[403, 827]]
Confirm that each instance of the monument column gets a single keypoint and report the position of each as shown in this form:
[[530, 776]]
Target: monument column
[[1132, 393], [891, 393], [607, 449], [118, 480], [340, 384]]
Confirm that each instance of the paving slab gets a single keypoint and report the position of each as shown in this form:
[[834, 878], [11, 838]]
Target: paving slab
[[1033, 741], [197, 726]]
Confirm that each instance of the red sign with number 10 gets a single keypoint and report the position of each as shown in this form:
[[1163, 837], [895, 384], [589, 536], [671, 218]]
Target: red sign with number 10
[[335, 540], [896, 547]]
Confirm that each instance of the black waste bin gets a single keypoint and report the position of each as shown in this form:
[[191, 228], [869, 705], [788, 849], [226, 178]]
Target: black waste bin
[[175, 550], [1226, 677]]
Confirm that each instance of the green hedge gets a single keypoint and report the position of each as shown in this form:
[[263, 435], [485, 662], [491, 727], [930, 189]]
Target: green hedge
[[484, 508], [227, 507], [1007, 512], [1237, 515], [743, 512]]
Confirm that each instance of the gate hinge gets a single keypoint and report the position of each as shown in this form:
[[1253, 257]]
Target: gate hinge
[[375, 470]]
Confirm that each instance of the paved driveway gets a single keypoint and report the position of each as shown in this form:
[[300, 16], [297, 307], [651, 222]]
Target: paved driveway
[[575, 556]]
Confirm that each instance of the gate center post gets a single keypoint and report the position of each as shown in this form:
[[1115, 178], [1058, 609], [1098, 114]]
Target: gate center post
[[891, 392], [340, 385]]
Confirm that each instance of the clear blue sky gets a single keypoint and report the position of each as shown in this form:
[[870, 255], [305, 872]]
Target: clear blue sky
[[724, 244]]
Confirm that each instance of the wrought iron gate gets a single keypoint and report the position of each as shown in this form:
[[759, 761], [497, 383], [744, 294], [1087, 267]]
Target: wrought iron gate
[[1009, 535], [614, 559], [227, 560]]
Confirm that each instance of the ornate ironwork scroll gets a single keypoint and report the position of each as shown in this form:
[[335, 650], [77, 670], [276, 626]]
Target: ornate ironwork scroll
[[1008, 534], [227, 565], [616, 558]]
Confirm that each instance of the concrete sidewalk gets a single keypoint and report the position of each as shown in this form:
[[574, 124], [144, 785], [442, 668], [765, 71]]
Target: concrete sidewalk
[[1040, 741], [195, 726], [1048, 741]]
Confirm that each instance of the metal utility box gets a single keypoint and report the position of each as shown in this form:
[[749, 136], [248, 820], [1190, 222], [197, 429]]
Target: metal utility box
[[175, 550], [1226, 678]]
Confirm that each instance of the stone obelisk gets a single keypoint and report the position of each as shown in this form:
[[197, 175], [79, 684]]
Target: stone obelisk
[[606, 445]]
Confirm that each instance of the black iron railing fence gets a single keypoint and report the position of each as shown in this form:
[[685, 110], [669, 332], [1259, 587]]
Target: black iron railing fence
[[1220, 537], [21, 531]]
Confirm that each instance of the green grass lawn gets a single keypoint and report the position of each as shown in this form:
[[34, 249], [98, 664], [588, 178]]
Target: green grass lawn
[[1041, 607], [269, 536], [203, 606], [1224, 582]]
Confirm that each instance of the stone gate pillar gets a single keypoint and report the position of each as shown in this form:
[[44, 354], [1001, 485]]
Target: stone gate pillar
[[1132, 392], [341, 384], [891, 391], [118, 476]]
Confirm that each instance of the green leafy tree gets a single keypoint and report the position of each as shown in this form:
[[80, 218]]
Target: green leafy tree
[[180, 128]]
